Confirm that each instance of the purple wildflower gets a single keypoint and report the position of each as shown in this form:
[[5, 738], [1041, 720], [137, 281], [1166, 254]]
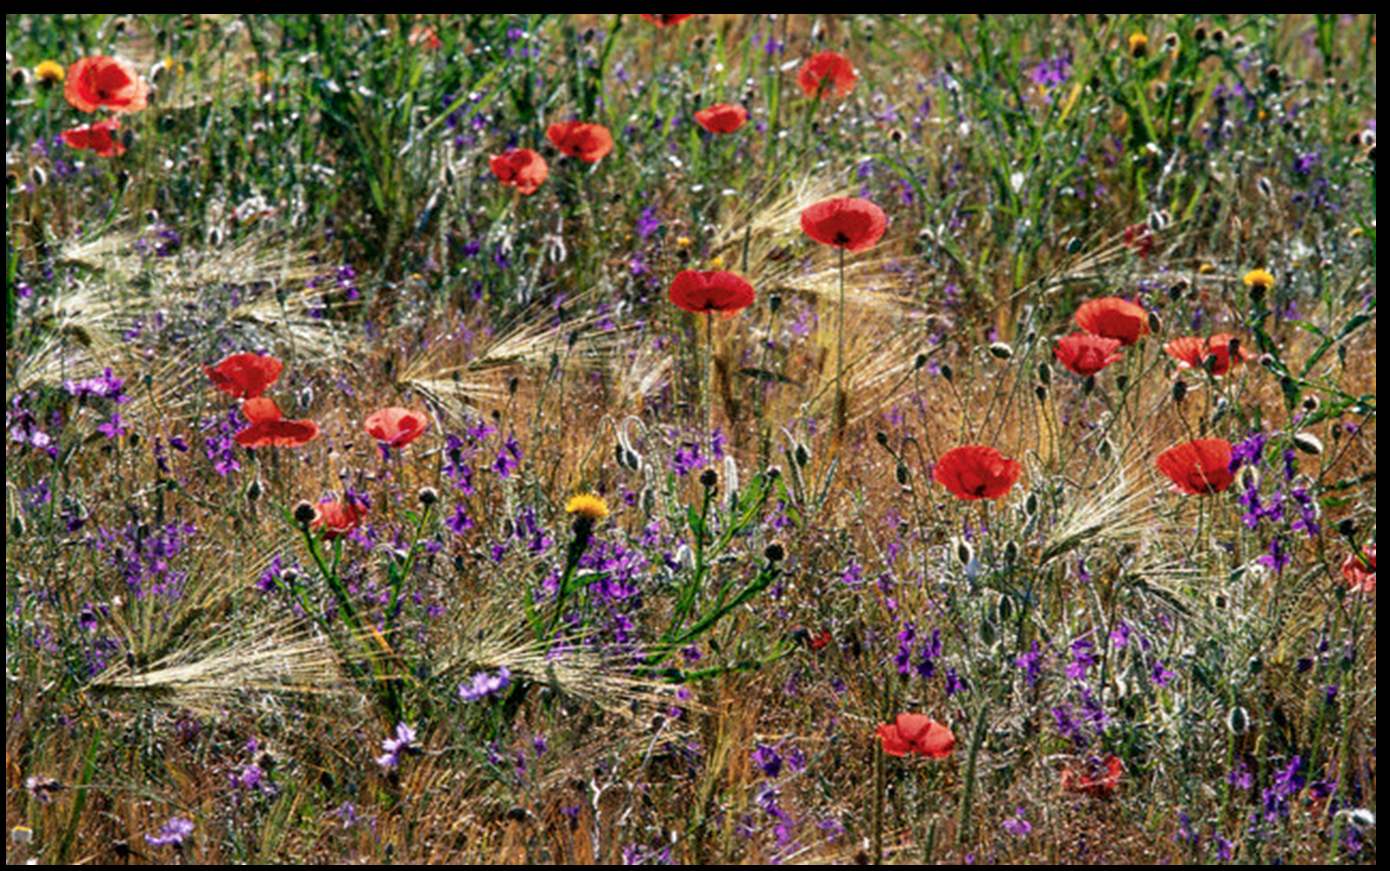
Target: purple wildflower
[[172, 835], [1031, 663], [402, 741], [485, 686], [1018, 826]]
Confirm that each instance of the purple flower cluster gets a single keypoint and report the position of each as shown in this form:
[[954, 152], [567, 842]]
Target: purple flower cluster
[[173, 834], [485, 686], [401, 742]]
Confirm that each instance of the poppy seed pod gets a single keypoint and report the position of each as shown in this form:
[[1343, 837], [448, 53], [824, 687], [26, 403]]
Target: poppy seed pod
[[1308, 443], [304, 514], [1001, 351], [709, 479], [775, 552], [428, 496], [1238, 721], [254, 490]]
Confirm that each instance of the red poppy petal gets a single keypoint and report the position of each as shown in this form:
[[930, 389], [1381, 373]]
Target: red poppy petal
[[893, 743], [1199, 468], [1113, 318], [851, 223], [975, 472], [702, 292], [245, 376], [260, 409]]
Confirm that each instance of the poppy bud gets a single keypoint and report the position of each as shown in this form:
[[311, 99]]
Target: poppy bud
[[1218, 36], [1074, 245], [1200, 33], [947, 372], [882, 438], [989, 633], [1045, 374], [38, 176], [1371, 155], [1155, 324], [709, 479], [304, 514], [1249, 478], [896, 135], [289, 577], [1040, 392], [775, 552], [1030, 505], [1171, 42], [1001, 351], [1179, 391], [17, 527], [1308, 443], [964, 551], [11, 180], [1361, 818], [903, 474], [428, 496], [1347, 528], [512, 384], [1255, 665], [918, 363], [801, 456], [1011, 554], [1274, 74], [1238, 721], [254, 490], [1122, 383]]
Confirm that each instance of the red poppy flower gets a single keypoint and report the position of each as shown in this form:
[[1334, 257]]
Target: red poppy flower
[[702, 292], [245, 376], [1113, 318], [666, 19], [397, 427], [1139, 238], [425, 36], [849, 223], [827, 73], [975, 472], [1199, 468], [588, 142], [1086, 354], [336, 519], [1361, 573], [105, 83], [1100, 778], [722, 118], [916, 733], [269, 429], [1193, 352], [521, 168], [99, 137]]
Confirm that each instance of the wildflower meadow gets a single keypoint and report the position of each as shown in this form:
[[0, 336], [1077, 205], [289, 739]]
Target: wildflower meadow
[[665, 439]]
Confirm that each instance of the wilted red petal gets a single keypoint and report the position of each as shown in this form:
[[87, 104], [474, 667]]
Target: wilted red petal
[[521, 168], [1360, 573], [397, 427], [104, 82], [916, 733], [1101, 778], [278, 434], [702, 292], [1086, 354], [827, 73], [666, 19], [425, 36], [974, 472], [245, 376], [588, 142], [722, 118], [1192, 352], [1200, 467], [261, 409], [1113, 318], [852, 223], [99, 138], [336, 519]]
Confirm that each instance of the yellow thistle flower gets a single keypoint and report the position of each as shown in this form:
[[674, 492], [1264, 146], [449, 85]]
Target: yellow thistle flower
[[1138, 45], [1259, 278], [683, 242], [50, 72], [716, 263], [588, 506]]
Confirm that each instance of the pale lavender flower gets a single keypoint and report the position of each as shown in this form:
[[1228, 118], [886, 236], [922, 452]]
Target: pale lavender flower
[[174, 833]]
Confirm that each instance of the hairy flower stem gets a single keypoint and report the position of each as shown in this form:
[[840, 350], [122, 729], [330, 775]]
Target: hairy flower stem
[[583, 535], [841, 405], [709, 375]]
